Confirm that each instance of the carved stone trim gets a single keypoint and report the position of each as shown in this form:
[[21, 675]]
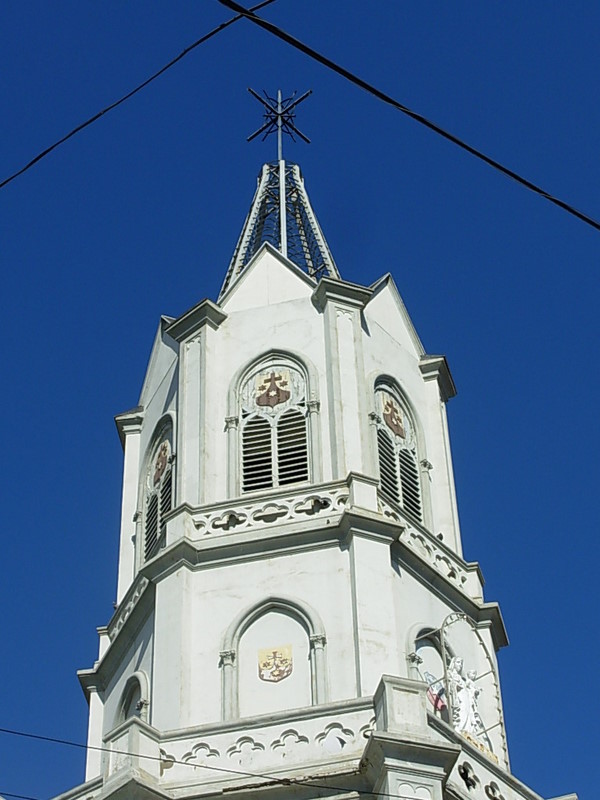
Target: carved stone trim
[[232, 422], [493, 792], [116, 624], [318, 641], [314, 406], [227, 658], [467, 773], [243, 515]]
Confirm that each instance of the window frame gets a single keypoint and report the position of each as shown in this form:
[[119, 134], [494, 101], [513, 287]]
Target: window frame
[[236, 420], [406, 475], [163, 432]]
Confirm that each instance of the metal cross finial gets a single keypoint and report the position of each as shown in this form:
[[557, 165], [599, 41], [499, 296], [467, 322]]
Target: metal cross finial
[[279, 116]]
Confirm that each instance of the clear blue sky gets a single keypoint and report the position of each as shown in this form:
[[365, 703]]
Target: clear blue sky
[[138, 216]]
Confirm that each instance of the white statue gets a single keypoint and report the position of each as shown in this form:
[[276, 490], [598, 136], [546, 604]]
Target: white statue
[[463, 697]]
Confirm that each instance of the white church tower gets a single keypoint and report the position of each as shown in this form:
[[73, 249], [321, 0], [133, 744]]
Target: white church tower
[[294, 615]]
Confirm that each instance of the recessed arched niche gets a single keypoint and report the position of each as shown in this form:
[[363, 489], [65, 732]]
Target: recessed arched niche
[[273, 659], [274, 665]]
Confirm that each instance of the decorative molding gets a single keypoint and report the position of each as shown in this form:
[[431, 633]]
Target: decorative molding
[[467, 773], [205, 313], [232, 422], [290, 739], [409, 791], [227, 658], [244, 747], [129, 422], [348, 294], [334, 737], [429, 548], [313, 406], [436, 368], [242, 514], [492, 791], [199, 753], [129, 603], [331, 732]]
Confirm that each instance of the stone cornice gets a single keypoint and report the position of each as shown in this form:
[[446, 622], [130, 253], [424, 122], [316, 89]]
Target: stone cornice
[[130, 614], [347, 294], [205, 313], [436, 367], [311, 534], [129, 422], [422, 753], [480, 612], [288, 715]]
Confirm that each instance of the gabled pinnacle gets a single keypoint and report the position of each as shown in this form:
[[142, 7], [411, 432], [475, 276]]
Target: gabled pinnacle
[[282, 215]]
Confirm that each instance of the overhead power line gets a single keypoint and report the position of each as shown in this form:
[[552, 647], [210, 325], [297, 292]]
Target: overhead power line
[[386, 98], [305, 781], [130, 94]]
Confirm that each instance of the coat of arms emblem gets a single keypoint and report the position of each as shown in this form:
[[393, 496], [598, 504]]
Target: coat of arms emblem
[[393, 417], [271, 389], [275, 663]]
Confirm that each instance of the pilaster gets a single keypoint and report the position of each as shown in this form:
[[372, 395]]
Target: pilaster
[[129, 426], [403, 757], [194, 330], [438, 476], [341, 304]]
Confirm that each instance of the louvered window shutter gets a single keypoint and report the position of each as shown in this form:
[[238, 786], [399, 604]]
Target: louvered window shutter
[[151, 527], [409, 479], [257, 455], [292, 448], [388, 475], [166, 492]]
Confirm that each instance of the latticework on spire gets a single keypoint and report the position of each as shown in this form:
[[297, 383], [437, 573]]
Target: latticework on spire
[[295, 233]]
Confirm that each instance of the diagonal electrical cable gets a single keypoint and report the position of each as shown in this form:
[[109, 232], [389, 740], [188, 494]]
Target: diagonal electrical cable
[[307, 781], [130, 94], [386, 98]]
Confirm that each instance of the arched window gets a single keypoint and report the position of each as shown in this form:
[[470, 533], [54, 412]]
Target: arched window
[[430, 667], [132, 702], [399, 478], [158, 494], [274, 427], [134, 699]]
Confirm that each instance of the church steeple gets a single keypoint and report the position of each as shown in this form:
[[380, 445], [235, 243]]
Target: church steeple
[[281, 213], [293, 604]]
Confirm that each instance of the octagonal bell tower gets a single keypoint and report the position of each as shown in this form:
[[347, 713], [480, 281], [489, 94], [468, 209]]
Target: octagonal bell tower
[[294, 614]]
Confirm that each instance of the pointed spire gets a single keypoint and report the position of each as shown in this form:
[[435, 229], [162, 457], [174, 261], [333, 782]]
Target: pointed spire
[[281, 213]]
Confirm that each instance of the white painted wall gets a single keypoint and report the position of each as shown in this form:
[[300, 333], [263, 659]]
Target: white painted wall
[[369, 606]]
